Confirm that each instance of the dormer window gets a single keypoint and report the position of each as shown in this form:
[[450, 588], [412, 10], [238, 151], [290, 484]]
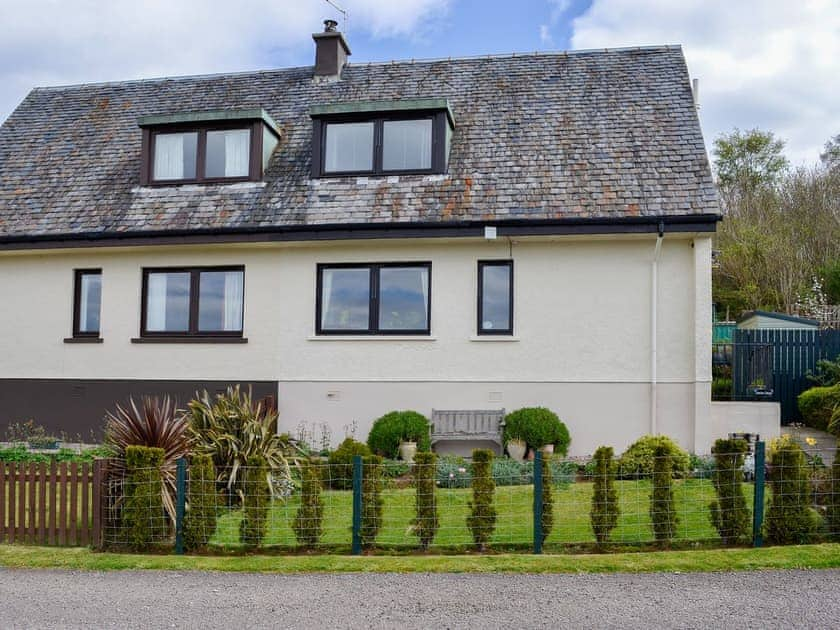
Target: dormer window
[[207, 147], [381, 138]]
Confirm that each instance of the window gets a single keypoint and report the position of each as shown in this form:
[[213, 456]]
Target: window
[[374, 299], [495, 297], [398, 144], [193, 302], [87, 303]]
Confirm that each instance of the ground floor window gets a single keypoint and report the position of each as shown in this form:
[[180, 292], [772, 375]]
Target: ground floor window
[[495, 297]]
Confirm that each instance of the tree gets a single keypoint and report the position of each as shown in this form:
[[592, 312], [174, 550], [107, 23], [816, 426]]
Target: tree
[[746, 161], [830, 157]]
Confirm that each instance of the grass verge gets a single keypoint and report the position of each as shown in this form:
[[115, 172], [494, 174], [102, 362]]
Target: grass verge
[[822, 556]]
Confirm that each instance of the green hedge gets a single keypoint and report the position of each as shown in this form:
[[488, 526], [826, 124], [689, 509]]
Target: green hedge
[[638, 459], [200, 516], [310, 515], [339, 473], [605, 511], [817, 404], [789, 519], [482, 517], [547, 516], [255, 499], [395, 427], [729, 512], [425, 523], [537, 426], [663, 513], [144, 520], [372, 501]]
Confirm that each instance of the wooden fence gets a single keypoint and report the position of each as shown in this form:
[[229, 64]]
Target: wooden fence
[[51, 504]]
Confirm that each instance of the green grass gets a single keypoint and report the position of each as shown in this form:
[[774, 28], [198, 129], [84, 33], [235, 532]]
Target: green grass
[[823, 556]]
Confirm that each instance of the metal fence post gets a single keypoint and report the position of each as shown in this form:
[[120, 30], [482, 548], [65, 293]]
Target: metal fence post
[[180, 504], [538, 501], [357, 505], [758, 496]]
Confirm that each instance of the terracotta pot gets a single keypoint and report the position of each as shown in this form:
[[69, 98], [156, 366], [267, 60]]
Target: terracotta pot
[[516, 449], [407, 451]]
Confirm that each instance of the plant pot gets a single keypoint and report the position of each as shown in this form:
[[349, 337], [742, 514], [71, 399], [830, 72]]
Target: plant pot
[[548, 449], [407, 451], [516, 449]]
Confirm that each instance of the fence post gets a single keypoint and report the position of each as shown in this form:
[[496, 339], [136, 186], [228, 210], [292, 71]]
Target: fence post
[[758, 495], [538, 501], [180, 504], [357, 505]]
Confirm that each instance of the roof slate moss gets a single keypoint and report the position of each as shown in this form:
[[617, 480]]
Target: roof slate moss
[[595, 134]]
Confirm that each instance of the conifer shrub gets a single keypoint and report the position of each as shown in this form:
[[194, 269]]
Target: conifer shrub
[[547, 516], [638, 460], [663, 514], [729, 512], [604, 513], [482, 517], [425, 523], [200, 516], [256, 491], [398, 426], [339, 473], [789, 519], [372, 500], [143, 516], [310, 515], [833, 508]]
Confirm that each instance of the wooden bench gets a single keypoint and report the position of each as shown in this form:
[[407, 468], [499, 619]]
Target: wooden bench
[[468, 425]]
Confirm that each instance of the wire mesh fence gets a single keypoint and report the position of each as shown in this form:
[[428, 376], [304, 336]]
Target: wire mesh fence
[[451, 504]]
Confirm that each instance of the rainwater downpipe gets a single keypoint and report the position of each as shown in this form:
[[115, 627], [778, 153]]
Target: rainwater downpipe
[[654, 291]]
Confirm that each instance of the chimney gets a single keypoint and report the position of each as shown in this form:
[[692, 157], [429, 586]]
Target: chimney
[[331, 51]]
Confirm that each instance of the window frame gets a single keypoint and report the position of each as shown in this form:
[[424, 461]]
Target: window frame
[[255, 150], [373, 299], [480, 330], [193, 330], [438, 148], [77, 303]]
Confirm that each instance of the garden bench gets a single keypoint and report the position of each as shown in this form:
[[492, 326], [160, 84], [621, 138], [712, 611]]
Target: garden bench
[[462, 427]]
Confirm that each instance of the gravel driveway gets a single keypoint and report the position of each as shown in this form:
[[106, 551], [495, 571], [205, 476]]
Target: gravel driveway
[[152, 599]]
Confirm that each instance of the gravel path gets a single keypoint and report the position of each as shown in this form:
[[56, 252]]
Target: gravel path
[[152, 599]]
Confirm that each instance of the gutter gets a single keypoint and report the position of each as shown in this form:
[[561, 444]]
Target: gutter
[[654, 306]]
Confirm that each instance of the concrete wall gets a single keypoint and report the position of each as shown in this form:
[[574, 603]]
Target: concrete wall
[[581, 344], [728, 417]]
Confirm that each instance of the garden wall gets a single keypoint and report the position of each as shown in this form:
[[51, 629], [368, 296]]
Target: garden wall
[[728, 417]]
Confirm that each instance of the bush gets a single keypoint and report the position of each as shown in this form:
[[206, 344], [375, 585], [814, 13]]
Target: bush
[[817, 404], [604, 513], [721, 389], [789, 518], [537, 426], [702, 467], [638, 459], [340, 469], [394, 468], [200, 517], [452, 471], [663, 514], [144, 519], [547, 515], [425, 523], [395, 427], [729, 512], [372, 500], [482, 518], [256, 491], [310, 514], [833, 511]]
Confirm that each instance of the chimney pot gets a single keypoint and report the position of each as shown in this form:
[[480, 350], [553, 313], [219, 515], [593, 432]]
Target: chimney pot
[[330, 26]]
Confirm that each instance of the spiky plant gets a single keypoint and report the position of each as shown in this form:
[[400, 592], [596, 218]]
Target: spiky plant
[[232, 428], [156, 424]]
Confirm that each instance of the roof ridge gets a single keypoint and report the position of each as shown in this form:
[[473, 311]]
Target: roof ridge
[[240, 73]]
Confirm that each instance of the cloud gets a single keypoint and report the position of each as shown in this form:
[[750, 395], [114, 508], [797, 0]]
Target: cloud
[[558, 8], [49, 42], [772, 64]]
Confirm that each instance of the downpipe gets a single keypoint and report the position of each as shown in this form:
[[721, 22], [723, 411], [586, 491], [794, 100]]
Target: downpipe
[[654, 305]]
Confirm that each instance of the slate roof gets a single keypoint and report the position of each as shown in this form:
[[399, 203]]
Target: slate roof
[[608, 134]]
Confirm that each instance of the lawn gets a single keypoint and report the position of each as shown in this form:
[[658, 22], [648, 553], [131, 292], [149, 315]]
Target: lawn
[[514, 505]]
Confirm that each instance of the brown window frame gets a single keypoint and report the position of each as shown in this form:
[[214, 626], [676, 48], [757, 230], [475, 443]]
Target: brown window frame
[[319, 142], [77, 304], [193, 331], [255, 162], [480, 330]]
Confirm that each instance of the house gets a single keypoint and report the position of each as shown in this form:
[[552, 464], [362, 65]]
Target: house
[[477, 233]]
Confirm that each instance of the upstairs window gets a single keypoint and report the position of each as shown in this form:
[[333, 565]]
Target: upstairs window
[[87, 303]]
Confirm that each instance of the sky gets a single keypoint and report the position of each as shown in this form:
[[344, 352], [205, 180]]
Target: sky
[[770, 64]]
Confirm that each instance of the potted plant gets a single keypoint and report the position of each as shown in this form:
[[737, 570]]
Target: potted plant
[[516, 449], [407, 451], [399, 434], [538, 428]]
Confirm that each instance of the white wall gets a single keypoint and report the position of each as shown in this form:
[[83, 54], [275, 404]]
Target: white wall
[[728, 417]]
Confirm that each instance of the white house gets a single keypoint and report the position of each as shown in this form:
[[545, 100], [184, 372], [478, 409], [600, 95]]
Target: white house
[[475, 233]]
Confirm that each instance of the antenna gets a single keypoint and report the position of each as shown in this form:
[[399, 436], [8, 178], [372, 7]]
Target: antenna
[[344, 14]]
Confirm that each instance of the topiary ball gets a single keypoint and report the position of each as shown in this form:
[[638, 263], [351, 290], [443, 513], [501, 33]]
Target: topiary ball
[[537, 426], [395, 427]]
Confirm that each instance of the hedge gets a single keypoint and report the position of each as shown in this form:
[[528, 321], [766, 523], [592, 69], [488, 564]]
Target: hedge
[[143, 516]]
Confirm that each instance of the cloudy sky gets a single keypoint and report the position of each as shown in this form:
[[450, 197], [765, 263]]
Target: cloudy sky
[[772, 64]]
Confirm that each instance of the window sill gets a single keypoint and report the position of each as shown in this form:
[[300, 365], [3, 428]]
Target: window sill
[[83, 340], [371, 338], [494, 338], [195, 339]]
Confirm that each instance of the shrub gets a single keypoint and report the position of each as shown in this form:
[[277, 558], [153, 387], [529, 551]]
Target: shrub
[[256, 491], [372, 500], [729, 512], [833, 511], [789, 519], [638, 460], [395, 427], [537, 426], [310, 514], [604, 513], [721, 389], [817, 405], [155, 424], [394, 468], [452, 471], [702, 467], [662, 513], [547, 515], [425, 523], [482, 518], [200, 517], [144, 519], [34, 434], [340, 469], [827, 373]]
